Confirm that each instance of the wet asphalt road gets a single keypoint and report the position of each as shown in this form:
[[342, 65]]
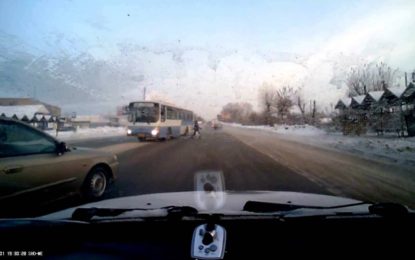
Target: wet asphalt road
[[170, 166]]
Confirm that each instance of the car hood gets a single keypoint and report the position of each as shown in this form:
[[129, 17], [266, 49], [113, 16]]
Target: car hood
[[233, 202]]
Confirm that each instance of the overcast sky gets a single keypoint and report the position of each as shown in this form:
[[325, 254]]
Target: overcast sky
[[203, 54]]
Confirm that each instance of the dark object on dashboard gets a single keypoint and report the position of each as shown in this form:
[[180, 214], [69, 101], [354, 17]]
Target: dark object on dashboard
[[389, 210]]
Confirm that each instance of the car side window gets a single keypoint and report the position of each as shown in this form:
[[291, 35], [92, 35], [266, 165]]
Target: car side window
[[16, 140]]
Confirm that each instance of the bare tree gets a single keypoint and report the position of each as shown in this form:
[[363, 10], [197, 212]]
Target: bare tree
[[301, 103], [236, 112], [284, 101], [267, 99], [355, 81], [370, 77], [383, 76]]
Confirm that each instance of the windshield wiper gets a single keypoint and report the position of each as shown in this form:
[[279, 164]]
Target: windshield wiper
[[387, 210], [266, 207], [173, 212]]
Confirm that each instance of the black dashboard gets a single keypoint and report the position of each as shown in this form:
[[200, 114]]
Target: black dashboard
[[253, 238]]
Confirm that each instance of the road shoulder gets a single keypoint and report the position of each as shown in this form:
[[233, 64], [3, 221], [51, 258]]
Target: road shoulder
[[342, 174]]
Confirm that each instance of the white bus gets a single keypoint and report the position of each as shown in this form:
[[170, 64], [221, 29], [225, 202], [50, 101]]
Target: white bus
[[157, 120]]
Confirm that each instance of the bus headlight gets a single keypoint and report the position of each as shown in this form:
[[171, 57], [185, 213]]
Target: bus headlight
[[129, 131], [154, 132]]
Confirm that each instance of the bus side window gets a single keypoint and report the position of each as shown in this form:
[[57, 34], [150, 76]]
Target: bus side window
[[169, 113], [174, 114], [163, 113]]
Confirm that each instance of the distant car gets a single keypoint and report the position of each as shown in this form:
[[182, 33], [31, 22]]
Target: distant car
[[216, 125], [33, 162]]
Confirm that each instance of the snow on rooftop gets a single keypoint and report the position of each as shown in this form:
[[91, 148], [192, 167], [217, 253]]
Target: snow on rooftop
[[397, 91], [21, 111], [376, 95], [359, 99], [346, 101]]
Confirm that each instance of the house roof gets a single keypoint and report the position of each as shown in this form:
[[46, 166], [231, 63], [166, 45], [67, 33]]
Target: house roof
[[54, 110], [359, 99], [397, 91], [343, 102], [346, 101], [21, 111], [376, 95]]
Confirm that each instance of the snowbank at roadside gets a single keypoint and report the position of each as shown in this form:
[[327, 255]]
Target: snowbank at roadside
[[296, 130], [89, 133], [386, 148]]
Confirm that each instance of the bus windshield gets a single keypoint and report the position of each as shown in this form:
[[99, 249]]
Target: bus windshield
[[144, 112]]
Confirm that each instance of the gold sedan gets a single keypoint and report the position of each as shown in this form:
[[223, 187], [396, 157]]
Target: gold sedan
[[33, 162]]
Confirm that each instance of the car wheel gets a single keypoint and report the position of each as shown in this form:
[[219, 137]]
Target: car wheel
[[96, 183]]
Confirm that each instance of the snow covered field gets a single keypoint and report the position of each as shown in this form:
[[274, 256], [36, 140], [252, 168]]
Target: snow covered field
[[89, 133], [385, 148]]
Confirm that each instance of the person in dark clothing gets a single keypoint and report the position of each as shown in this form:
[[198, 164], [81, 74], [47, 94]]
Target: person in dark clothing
[[196, 129]]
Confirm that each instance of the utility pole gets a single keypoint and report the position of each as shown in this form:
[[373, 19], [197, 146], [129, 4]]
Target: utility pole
[[34, 91], [406, 80], [144, 93]]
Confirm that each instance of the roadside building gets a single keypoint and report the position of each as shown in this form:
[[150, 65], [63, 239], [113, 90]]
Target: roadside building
[[32, 111], [375, 110], [36, 115], [90, 121], [53, 110], [391, 110], [408, 108], [343, 104]]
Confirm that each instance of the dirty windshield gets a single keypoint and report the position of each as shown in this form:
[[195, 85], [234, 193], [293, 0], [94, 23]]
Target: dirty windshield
[[108, 99]]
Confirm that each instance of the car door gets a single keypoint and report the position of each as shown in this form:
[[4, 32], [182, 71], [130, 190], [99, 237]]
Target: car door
[[29, 161]]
